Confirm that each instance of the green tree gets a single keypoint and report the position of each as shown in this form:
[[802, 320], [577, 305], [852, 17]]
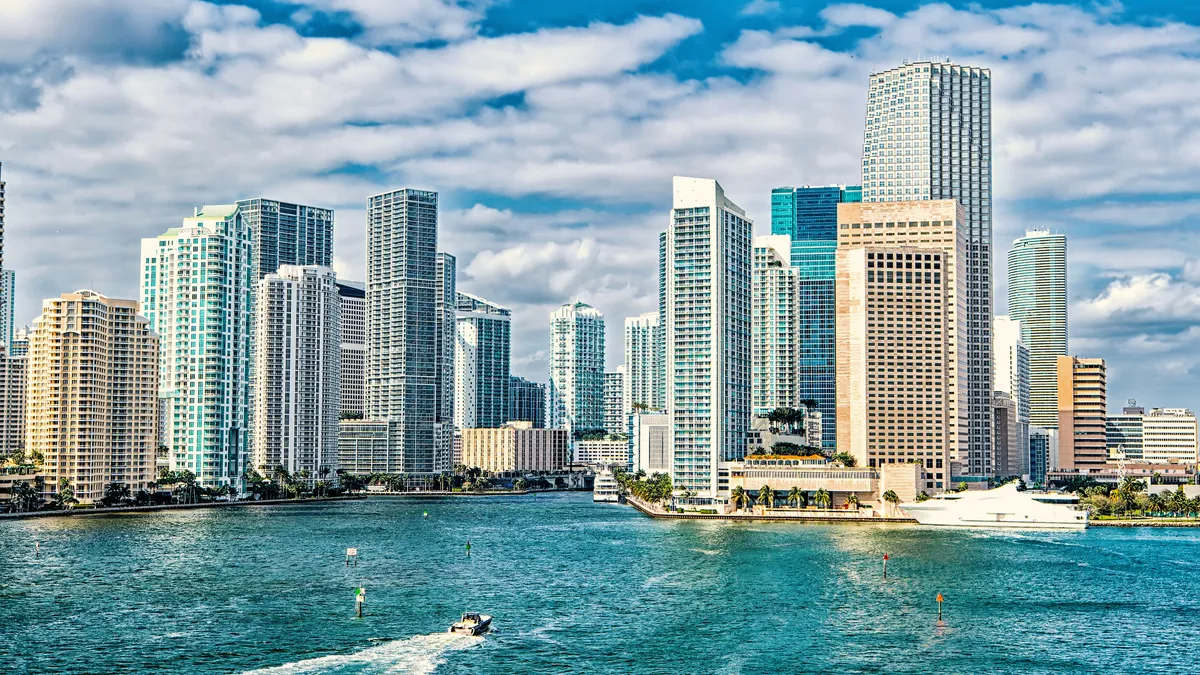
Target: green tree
[[25, 497], [892, 499], [822, 498], [795, 495], [64, 498], [738, 497], [852, 502], [766, 496], [845, 458], [520, 484], [962, 487], [116, 493], [923, 496]]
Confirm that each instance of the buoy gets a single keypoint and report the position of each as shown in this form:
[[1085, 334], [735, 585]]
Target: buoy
[[939, 601], [37, 548], [426, 514], [360, 598], [885, 559], [468, 549]]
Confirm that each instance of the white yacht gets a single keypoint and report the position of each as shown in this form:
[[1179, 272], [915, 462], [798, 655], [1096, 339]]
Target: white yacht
[[1003, 507], [605, 487]]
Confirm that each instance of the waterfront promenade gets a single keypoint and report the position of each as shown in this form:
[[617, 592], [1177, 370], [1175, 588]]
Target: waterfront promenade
[[155, 508], [776, 515]]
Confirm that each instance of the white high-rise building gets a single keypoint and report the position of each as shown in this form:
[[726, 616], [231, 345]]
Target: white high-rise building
[[13, 389], [928, 137], [297, 372], [1037, 297], [353, 357], [575, 396], [481, 363], [614, 401], [445, 300], [650, 442], [775, 325], [1012, 377], [402, 328], [197, 291], [643, 362], [1170, 435], [708, 249]]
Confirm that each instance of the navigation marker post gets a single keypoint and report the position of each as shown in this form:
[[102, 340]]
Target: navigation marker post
[[352, 553], [939, 601], [885, 559], [360, 598]]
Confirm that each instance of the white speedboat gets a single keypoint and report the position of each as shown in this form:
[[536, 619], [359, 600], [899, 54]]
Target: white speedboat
[[1002, 507], [472, 623], [605, 487]]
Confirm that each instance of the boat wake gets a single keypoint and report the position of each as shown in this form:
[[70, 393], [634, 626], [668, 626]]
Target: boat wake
[[418, 655]]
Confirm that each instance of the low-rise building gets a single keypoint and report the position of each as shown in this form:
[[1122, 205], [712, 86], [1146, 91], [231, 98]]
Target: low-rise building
[[811, 473], [516, 446], [1113, 472], [1170, 435], [611, 451]]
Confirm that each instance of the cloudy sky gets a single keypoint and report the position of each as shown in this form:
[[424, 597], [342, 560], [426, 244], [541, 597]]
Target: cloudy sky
[[552, 129]]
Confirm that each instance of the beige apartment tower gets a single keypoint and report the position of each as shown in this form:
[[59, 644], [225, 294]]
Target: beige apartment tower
[[893, 373], [93, 392], [935, 225], [1082, 413], [516, 446]]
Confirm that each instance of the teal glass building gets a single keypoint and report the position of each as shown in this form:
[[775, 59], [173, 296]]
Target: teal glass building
[[809, 216]]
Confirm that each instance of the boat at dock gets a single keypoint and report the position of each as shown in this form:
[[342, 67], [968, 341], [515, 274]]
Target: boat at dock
[[1002, 507], [472, 623], [605, 488]]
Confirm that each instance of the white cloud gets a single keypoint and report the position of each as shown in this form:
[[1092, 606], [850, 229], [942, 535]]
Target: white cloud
[[401, 22], [857, 15], [1143, 298], [761, 8], [132, 28]]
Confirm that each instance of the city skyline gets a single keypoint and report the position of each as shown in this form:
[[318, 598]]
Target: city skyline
[[586, 232]]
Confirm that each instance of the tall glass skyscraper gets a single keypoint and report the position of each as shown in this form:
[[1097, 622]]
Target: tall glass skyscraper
[[709, 261], [402, 324], [808, 215], [928, 137], [1037, 297], [481, 363], [287, 234], [576, 391]]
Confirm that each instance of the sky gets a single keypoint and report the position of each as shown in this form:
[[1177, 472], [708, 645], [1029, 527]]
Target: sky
[[552, 129]]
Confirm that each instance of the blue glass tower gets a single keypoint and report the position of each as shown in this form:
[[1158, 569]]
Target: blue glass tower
[[809, 216]]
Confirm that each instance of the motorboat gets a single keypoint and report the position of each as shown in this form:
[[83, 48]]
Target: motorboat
[[472, 623], [1002, 507], [605, 488]]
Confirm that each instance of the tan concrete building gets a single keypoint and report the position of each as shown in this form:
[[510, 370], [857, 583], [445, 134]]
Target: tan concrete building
[[811, 473], [941, 225], [1082, 412], [893, 374], [516, 446], [93, 391], [13, 385]]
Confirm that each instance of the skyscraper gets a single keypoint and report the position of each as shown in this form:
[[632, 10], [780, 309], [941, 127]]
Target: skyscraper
[[895, 372], [928, 136], [287, 234], [353, 356], [809, 216], [614, 401], [197, 291], [14, 373], [1082, 410], [709, 251], [297, 369], [445, 303], [481, 363], [775, 352], [8, 306], [93, 380], [936, 225], [1037, 297], [402, 324], [1, 216], [643, 360], [576, 391], [1012, 377], [526, 402]]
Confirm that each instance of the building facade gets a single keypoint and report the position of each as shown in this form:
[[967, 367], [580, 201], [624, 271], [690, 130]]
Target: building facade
[[8, 306], [482, 356], [643, 363], [895, 376], [1082, 411], [614, 401], [1123, 433], [287, 234], [353, 356], [402, 325], [1043, 451], [809, 216], [527, 402], [606, 452], [298, 372], [365, 447], [775, 326], [198, 293], [650, 442], [1037, 297], [928, 137], [576, 390], [709, 247], [1170, 435], [516, 446], [1012, 375], [446, 304], [935, 225], [1009, 457], [14, 373], [93, 391]]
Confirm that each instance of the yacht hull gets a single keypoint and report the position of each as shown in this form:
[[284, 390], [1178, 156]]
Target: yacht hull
[[1001, 508]]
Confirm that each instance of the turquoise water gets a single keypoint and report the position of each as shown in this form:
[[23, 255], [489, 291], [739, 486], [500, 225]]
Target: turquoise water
[[582, 587]]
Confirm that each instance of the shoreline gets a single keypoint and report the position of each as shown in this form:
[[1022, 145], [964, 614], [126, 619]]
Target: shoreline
[[120, 510]]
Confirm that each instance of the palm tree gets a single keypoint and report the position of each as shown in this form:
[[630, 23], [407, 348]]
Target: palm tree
[[115, 493], [892, 499], [766, 496], [738, 497], [923, 496], [822, 498], [24, 496], [65, 497], [852, 502], [795, 495]]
